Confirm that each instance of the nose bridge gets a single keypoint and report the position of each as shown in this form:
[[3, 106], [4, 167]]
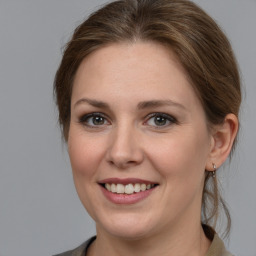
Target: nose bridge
[[124, 149]]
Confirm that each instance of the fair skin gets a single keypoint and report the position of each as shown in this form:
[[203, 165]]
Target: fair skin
[[135, 115]]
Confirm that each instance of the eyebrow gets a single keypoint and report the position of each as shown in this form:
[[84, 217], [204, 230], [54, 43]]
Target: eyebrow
[[94, 103], [140, 106], [159, 103]]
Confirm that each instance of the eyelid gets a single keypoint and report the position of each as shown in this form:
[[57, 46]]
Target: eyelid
[[83, 119], [169, 117]]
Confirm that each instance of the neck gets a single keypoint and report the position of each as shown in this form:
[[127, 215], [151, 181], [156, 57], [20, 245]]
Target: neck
[[187, 241]]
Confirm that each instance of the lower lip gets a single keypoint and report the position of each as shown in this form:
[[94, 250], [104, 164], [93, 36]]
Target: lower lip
[[125, 198]]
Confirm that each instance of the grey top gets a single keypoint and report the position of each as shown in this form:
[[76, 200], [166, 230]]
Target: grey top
[[80, 250], [217, 248]]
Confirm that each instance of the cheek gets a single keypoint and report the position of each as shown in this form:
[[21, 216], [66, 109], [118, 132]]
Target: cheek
[[181, 162], [85, 153], [182, 156]]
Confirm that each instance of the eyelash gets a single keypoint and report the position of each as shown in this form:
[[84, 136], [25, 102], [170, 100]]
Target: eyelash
[[167, 118], [84, 119]]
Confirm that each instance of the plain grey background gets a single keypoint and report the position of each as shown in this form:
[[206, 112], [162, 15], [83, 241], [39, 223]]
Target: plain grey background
[[40, 213]]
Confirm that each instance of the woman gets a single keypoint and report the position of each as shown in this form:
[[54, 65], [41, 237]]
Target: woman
[[148, 95]]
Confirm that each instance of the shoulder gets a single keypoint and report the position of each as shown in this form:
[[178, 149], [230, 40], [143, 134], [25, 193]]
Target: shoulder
[[217, 248], [80, 250]]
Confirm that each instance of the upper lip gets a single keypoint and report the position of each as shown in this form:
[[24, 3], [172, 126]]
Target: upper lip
[[126, 181]]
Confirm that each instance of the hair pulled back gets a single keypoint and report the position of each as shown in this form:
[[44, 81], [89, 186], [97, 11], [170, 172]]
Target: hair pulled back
[[200, 45]]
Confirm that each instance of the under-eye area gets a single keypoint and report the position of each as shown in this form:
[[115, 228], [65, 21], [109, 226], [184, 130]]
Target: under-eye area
[[128, 188]]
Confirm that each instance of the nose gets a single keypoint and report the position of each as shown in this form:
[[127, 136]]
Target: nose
[[124, 148]]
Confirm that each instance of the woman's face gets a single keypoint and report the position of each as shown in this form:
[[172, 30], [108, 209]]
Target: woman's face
[[136, 124]]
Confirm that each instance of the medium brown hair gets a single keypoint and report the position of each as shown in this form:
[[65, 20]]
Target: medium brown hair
[[200, 45]]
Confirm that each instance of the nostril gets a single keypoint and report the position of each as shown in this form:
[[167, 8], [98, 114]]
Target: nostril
[[122, 162], [124, 150]]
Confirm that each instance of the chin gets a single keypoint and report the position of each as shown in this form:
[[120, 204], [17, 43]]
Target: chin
[[132, 234], [126, 228]]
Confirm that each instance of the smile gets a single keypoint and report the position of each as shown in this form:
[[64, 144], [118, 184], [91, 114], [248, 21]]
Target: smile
[[127, 191], [129, 188]]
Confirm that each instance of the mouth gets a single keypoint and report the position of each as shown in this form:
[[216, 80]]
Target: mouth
[[127, 186], [128, 189]]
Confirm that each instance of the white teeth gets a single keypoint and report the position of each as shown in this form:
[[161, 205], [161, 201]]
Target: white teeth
[[127, 189], [137, 187], [119, 188], [108, 186], [143, 187], [113, 188]]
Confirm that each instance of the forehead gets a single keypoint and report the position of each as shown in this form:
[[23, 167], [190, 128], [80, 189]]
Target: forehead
[[133, 70]]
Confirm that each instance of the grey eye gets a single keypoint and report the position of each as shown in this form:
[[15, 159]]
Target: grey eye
[[98, 120], [160, 120], [93, 120]]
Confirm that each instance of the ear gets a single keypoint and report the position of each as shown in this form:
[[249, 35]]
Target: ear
[[222, 139]]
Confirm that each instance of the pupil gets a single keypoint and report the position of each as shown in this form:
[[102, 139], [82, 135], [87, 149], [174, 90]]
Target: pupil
[[159, 120], [97, 120]]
